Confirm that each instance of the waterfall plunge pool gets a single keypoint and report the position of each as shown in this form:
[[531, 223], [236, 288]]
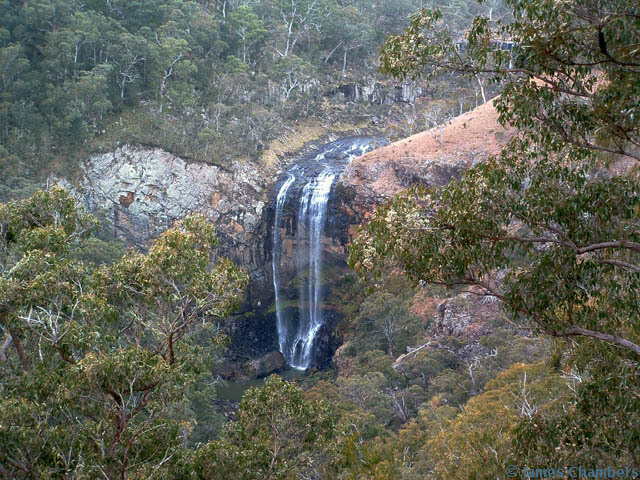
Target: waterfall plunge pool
[[233, 391]]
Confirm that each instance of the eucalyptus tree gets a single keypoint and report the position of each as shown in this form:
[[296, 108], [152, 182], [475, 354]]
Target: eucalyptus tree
[[96, 360], [248, 29], [550, 226], [278, 434], [295, 20], [356, 33]]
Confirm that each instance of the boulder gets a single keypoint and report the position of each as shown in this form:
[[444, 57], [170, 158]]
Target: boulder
[[263, 366]]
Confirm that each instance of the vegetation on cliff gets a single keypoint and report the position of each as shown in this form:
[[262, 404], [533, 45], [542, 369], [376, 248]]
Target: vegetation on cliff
[[209, 81]]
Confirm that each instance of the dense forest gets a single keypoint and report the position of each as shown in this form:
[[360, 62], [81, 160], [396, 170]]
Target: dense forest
[[211, 81], [110, 359]]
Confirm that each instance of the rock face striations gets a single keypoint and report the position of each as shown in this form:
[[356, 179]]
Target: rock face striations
[[144, 191]]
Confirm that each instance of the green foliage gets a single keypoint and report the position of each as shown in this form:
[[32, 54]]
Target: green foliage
[[604, 390], [549, 227], [248, 30], [569, 80], [278, 435], [581, 283], [210, 81], [476, 443], [103, 356], [386, 323]]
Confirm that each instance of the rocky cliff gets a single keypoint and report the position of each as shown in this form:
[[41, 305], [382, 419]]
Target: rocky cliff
[[144, 191], [371, 90]]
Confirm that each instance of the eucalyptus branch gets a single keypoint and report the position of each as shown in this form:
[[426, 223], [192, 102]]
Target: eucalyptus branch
[[620, 263], [606, 337]]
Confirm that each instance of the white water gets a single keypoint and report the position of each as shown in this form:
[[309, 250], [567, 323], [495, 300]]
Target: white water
[[311, 218], [297, 339], [277, 252]]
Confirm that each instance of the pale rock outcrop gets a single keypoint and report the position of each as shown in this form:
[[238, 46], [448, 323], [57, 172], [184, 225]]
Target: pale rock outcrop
[[467, 315], [143, 191]]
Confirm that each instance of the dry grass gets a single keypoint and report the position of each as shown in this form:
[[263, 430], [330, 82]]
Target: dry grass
[[298, 136], [474, 131]]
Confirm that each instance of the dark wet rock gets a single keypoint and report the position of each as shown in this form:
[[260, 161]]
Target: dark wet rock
[[227, 408], [263, 366], [144, 191], [252, 335]]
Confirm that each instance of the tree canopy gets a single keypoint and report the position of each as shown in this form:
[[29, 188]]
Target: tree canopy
[[81, 75], [95, 360], [550, 226]]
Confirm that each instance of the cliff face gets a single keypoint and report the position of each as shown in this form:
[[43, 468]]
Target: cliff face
[[371, 90], [144, 191]]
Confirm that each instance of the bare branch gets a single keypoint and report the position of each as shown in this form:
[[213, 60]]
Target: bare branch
[[606, 337]]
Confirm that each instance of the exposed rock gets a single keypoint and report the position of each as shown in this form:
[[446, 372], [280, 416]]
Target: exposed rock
[[263, 366], [468, 318], [144, 191], [252, 335], [466, 315], [342, 361], [371, 90], [226, 408], [432, 158]]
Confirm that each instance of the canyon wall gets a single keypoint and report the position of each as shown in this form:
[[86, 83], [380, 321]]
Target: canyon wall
[[143, 191]]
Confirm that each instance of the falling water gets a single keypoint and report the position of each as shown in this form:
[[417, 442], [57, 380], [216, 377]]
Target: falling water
[[311, 217], [314, 181], [277, 253]]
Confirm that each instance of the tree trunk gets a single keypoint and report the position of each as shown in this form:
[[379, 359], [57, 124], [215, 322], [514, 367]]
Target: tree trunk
[[484, 97], [20, 349], [344, 63], [4, 350]]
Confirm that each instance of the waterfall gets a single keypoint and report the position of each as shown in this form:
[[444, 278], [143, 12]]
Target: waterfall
[[276, 254], [311, 218], [311, 187]]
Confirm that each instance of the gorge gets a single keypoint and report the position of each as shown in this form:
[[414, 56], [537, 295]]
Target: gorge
[[272, 219]]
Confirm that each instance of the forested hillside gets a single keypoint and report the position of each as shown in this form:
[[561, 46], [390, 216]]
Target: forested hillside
[[490, 325], [212, 81]]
